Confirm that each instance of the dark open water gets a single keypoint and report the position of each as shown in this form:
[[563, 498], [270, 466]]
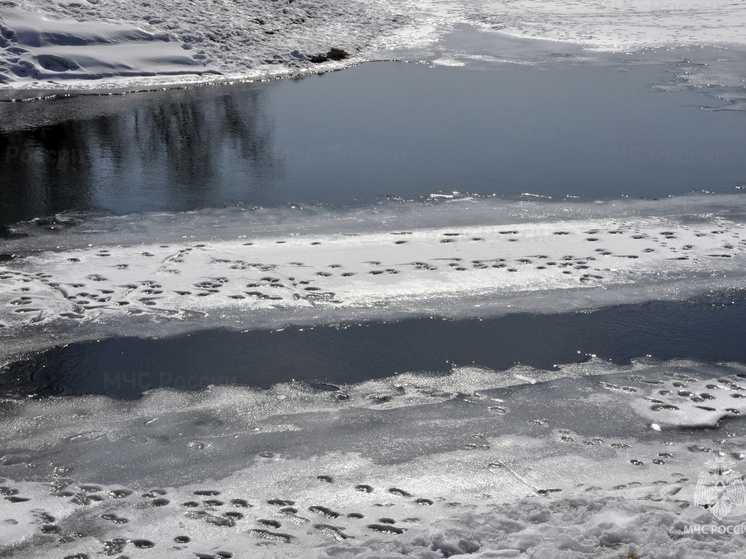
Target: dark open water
[[710, 330], [376, 130]]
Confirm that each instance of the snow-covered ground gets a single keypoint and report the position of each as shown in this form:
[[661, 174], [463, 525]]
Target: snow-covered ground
[[76, 42], [49, 44]]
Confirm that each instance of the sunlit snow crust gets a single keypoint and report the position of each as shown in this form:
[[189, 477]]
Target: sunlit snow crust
[[92, 44]]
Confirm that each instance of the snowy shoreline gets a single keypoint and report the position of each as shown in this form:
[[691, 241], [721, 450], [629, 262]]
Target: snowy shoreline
[[101, 46]]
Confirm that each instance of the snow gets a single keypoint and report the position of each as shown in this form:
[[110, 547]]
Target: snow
[[619, 25], [238, 40], [591, 459], [587, 460], [485, 258], [54, 49], [133, 45], [432, 470]]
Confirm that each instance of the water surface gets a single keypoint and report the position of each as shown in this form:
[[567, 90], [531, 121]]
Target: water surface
[[708, 331], [377, 130]]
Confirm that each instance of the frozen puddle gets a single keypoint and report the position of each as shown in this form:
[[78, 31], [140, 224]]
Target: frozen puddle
[[476, 463]]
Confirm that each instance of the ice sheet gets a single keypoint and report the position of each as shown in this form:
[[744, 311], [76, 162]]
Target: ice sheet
[[474, 462], [472, 270], [618, 25]]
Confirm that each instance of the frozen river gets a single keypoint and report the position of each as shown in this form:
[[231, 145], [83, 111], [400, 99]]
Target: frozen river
[[460, 307]]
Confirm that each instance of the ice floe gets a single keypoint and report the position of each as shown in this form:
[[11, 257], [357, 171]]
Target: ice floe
[[300, 270]]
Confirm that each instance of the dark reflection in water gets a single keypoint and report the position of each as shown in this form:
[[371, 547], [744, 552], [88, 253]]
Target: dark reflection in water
[[376, 130], [180, 151], [328, 355], [36, 169]]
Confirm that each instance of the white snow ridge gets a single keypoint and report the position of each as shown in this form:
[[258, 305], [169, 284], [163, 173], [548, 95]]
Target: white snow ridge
[[98, 44], [42, 47]]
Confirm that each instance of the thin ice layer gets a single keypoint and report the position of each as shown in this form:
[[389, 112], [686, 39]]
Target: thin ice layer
[[473, 462]]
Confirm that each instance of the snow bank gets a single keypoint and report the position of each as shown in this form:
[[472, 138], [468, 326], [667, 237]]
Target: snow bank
[[40, 47], [95, 44], [99, 43]]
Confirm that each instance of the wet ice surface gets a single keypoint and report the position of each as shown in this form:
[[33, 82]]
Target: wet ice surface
[[236, 268], [477, 461], [473, 462]]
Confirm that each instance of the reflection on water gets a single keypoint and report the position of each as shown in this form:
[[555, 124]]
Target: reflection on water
[[353, 137], [36, 168], [188, 151]]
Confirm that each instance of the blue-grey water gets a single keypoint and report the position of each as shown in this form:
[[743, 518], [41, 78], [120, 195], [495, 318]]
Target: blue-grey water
[[369, 132], [707, 330], [354, 138]]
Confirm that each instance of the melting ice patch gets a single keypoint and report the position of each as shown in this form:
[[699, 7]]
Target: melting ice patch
[[474, 463]]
